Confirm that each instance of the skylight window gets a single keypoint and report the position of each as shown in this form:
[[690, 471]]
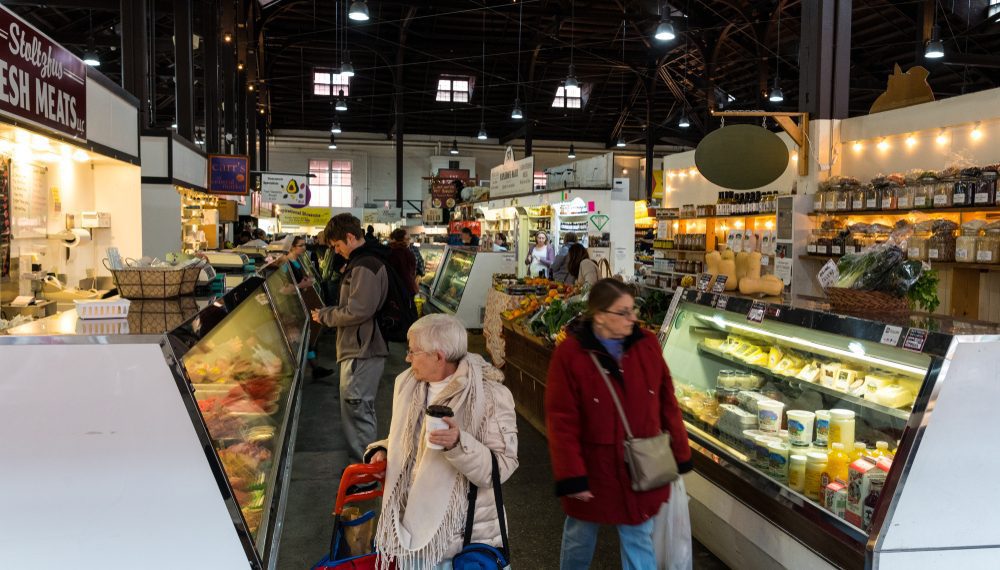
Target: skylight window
[[328, 82], [454, 89], [570, 97]]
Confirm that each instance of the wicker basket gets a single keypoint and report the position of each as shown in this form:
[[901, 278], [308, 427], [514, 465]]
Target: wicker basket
[[155, 282], [190, 278], [855, 301]]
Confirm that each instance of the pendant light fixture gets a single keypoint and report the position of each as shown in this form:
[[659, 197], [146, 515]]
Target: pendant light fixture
[[684, 122], [454, 147], [346, 68], [90, 56], [621, 85], [572, 151], [341, 102], [665, 29], [516, 113], [571, 81], [621, 142], [482, 132], [776, 95], [335, 128], [333, 142], [935, 47], [359, 11], [482, 107]]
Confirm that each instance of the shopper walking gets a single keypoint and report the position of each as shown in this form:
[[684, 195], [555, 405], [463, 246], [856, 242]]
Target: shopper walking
[[560, 269], [586, 434], [582, 270], [402, 259], [425, 505], [539, 258], [361, 351]]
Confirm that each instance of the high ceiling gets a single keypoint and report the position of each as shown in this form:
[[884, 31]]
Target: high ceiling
[[723, 47]]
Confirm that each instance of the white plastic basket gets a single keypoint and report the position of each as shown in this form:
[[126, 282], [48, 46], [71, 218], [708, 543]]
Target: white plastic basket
[[102, 308]]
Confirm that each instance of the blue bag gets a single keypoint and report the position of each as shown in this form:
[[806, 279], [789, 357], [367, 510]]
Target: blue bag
[[477, 556]]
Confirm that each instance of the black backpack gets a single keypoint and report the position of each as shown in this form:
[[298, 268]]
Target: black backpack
[[399, 310]]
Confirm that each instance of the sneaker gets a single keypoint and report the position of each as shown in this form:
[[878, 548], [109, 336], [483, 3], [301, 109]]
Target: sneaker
[[320, 372]]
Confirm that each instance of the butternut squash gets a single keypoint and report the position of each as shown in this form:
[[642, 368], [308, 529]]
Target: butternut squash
[[769, 285], [753, 265], [741, 264], [712, 260], [727, 267]]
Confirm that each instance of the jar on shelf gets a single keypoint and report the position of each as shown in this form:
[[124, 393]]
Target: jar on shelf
[[904, 196], [943, 193], [838, 244], [836, 196], [988, 244], [873, 197], [965, 245], [887, 198], [941, 247], [965, 187], [857, 198], [916, 246], [986, 191], [923, 193]]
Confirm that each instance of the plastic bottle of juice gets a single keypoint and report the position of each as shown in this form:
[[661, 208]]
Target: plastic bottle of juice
[[838, 462], [882, 450], [860, 450]]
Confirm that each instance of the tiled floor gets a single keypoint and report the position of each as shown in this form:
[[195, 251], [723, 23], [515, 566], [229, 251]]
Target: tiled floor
[[535, 518]]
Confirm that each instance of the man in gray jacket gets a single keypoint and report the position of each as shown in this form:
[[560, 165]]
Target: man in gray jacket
[[361, 350], [560, 268]]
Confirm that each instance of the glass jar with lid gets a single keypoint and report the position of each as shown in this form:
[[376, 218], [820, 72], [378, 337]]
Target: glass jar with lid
[[986, 191], [941, 246], [988, 244], [904, 196], [965, 187], [887, 196], [916, 246], [832, 200], [818, 203], [965, 245], [943, 193], [873, 197], [923, 194], [857, 198]]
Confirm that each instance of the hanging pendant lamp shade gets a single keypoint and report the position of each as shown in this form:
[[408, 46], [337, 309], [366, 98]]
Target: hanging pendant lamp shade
[[516, 113], [683, 122], [776, 95], [572, 151], [934, 49], [341, 102], [333, 143], [454, 147], [359, 11], [91, 58], [482, 132], [621, 142], [346, 67], [665, 31], [571, 81], [335, 128]]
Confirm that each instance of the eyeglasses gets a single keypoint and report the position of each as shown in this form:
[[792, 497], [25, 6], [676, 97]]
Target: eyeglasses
[[412, 353], [625, 313]]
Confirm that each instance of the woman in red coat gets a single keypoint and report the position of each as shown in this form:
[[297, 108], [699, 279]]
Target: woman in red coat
[[586, 435]]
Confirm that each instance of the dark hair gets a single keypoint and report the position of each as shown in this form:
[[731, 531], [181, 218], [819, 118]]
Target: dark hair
[[577, 253], [570, 237], [605, 293], [467, 231], [398, 234], [244, 237], [296, 241], [370, 228], [500, 238], [341, 225], [259, 233]]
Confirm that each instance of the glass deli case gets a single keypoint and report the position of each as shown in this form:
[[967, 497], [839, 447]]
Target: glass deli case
[[809, 418], [432, 254], [464, 278]]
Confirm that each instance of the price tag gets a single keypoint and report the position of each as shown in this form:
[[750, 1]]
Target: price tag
[[982, 197], [703, 280], [720, 284], [913, 252], [756, 313], [765, 260], [919, 201], [828, 275], [858, 204], [984, 255], [959, 199], [721, 302], [932, 254], [837, 250], [904, 203], [940, 200], [811, 248], [891, 334], [915, 340], [871, 204]]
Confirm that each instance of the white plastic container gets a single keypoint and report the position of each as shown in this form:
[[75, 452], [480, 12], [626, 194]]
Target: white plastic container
[[777, 454], [800, 428], [841, 427], [822, 427], [797, 472], [102, 308], [769, 415]]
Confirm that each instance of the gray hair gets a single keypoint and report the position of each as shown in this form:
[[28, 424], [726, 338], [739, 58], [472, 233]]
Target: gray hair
[[440, 333]]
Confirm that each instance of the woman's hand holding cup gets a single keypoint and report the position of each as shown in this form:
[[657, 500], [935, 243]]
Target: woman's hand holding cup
[[445, 438]]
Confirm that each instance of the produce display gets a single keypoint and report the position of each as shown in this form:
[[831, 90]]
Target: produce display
[[241, 376], [743, 273], [547, 306], [885, 268]]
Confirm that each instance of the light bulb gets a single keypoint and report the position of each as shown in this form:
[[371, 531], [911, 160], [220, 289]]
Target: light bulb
[[941, 139], [572, 151], [882, 145], [621, 142], [516, 112], [359, 11], [454, 147], [858, 147], [976, 134], [911, 141], [665, 31], [684, 122], [482, 132]]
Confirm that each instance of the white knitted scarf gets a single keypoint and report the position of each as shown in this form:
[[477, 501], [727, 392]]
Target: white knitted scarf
[[425, 502]]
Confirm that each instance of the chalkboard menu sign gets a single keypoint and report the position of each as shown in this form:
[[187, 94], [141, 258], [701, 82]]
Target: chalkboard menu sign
[[5, 228]]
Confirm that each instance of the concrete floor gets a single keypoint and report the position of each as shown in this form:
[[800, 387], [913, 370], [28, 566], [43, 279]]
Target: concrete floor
[[535, 518]]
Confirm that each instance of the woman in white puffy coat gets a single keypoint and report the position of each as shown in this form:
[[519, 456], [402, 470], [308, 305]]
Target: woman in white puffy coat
[[425, 502]]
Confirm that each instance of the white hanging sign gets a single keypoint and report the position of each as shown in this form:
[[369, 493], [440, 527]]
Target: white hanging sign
[[280, 188], [513, 177]]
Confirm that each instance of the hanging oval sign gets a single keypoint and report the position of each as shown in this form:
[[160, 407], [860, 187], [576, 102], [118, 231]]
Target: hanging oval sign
[[741, 157]]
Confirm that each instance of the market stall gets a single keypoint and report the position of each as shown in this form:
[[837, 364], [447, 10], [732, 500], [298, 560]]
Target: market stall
[[463, 280], [215, 407]]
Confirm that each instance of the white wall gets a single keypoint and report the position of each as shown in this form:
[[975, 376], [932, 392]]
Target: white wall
[[118, 190], [111, 120], [161, 220]]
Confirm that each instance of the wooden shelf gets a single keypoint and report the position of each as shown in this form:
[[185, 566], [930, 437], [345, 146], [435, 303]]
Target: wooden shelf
[[934, 264], [844, 396], [680, 250], [908, 211], [739, 216]]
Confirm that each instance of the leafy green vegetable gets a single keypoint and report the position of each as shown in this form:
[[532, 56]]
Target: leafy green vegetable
[[923, 293]]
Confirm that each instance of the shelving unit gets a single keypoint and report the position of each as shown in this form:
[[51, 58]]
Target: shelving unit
[[925, 211], [933, 264]]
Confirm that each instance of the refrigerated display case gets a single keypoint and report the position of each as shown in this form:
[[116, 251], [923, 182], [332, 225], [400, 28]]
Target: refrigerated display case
[[222, 432], [432, 254], [765, 392], [464, 278]]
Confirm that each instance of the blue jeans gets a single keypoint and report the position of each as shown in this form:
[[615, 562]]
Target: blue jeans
[[580, 538]]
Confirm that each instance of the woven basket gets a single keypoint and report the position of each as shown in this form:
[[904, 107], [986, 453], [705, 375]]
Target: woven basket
[[866, 302], [148, 282], [190, 278]]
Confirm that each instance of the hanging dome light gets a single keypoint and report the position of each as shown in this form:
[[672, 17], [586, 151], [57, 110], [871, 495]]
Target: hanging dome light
[[621, 142], [482, 132], [776, 95], [333, 143], [571, 81], [683, 122], [454, 147], [665, 31], [572, 151], [359, 11], [346, 68], [335, 128], [516, 113], [341, 102], [935, 47], [91, 58]]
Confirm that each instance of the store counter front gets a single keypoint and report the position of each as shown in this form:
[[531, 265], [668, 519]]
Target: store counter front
[[209, 407]]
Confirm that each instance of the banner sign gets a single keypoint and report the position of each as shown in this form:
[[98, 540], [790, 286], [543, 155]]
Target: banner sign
[[513, 176], [228, 174], [280, 188], [41, 81], [316, 216]]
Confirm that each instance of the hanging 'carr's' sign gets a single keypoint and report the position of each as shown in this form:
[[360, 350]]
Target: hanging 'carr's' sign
[[228, 174], [41, 81]]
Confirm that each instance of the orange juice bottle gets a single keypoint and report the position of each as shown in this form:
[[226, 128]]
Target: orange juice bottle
[[882, 450], [860, 450], [838, 462]]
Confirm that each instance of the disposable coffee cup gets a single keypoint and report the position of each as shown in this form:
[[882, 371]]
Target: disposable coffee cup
[[434, 421]]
